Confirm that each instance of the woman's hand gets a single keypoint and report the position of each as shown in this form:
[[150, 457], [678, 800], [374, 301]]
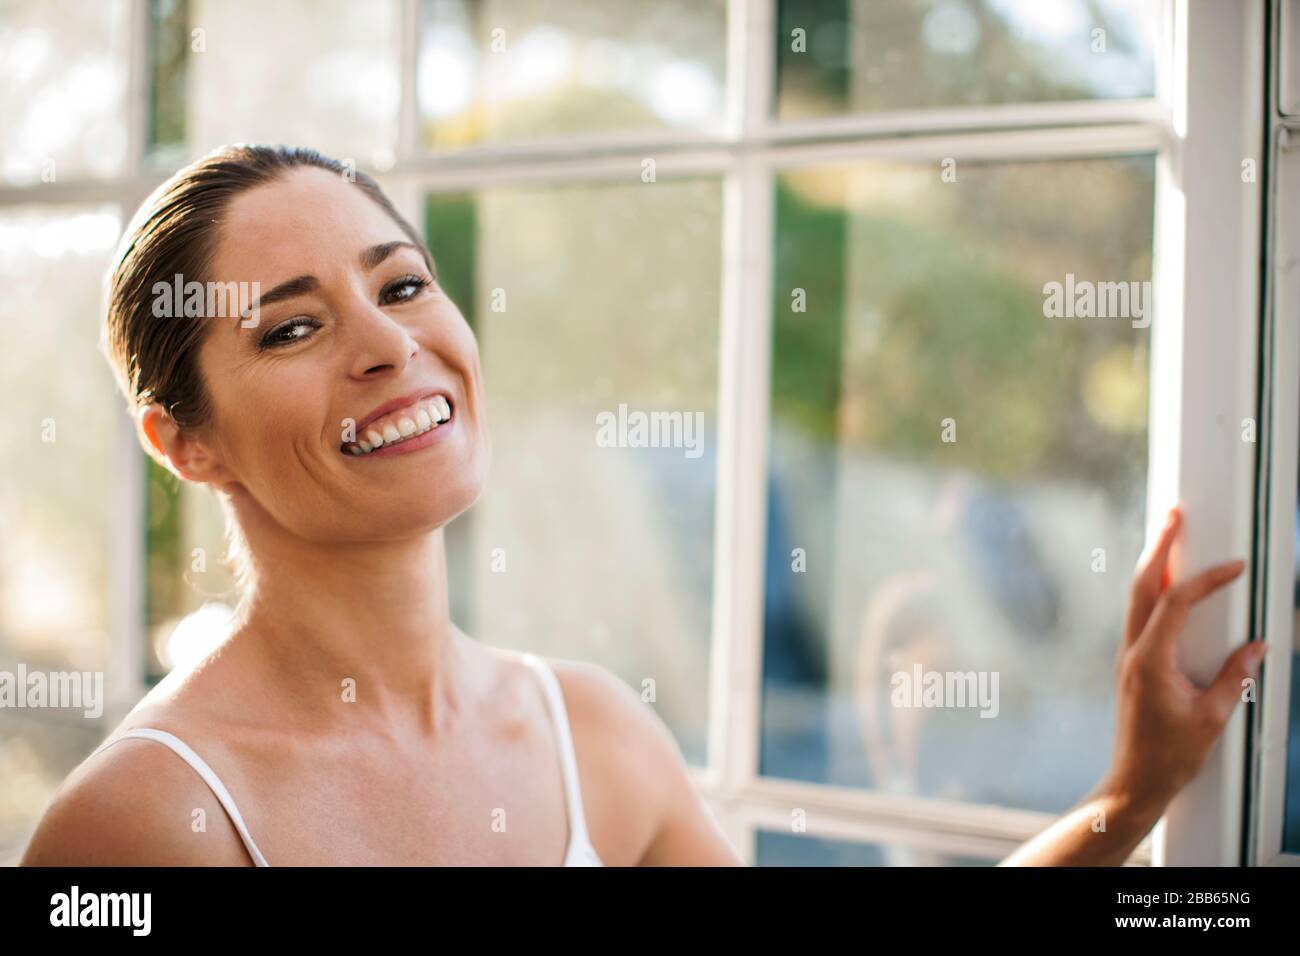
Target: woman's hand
[[1166, 725]]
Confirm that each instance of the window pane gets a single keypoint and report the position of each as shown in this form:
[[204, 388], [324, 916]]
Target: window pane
[[957, 480], [169, 46], [1291, 823], [61, 417], [62, 89], [585, 298], [788, 849], [499, 70], [320, 73], [862, 56], [1291, 799], [58, 430]]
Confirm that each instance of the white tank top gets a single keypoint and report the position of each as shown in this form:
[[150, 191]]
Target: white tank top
[[579, 852]]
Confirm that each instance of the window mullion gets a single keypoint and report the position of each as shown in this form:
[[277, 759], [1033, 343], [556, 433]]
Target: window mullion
[[1204, 341], [745, 357], [408, 118]]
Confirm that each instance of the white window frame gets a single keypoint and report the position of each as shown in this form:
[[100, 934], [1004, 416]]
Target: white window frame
[[1197, 123], [1279, 434], [1206, 331]]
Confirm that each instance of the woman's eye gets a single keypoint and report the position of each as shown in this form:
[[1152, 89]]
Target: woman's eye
[[290, 331], [399, 290]]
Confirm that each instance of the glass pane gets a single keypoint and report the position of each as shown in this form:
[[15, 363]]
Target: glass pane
[[499, 70], [1288, 58], [862, 56], [1291, 799], [957, 477], [788, 849], [169, 46], [593, 302], [320, 73], [61, 418], [1291, 823], [63, 70]]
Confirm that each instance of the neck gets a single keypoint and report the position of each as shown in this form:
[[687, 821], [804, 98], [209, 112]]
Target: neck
[[356, 629]]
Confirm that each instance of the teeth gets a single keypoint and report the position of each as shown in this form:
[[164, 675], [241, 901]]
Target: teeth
[[431, 414]]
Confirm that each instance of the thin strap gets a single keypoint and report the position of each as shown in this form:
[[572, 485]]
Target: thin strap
[[568, 759], [183, 751]]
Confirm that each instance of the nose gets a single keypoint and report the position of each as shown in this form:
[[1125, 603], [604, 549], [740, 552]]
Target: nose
[[377, 343]]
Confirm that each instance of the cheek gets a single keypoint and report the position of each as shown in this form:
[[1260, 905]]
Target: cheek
[[464, 348], [274, 423], [453, 339]]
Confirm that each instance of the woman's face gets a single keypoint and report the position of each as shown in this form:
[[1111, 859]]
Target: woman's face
[[361, 344]]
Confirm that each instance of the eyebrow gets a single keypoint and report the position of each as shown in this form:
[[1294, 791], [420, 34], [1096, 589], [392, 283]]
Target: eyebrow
[[377, 254], [301, 285]]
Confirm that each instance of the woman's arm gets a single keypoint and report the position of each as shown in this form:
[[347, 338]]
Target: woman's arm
[[1166, 725]]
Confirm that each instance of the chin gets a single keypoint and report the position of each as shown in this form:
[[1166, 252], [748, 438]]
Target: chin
[[442, 498]]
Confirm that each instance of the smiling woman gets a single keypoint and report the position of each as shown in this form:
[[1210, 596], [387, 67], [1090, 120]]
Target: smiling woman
[[343, 430], [342, 655]]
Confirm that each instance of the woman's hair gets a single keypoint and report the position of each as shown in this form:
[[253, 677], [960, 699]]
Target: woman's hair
[[175, 232]]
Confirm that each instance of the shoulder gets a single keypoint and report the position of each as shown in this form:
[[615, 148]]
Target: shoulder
[[135, 803], [589, 686], [628, 760], [631, 764], [610, 713]]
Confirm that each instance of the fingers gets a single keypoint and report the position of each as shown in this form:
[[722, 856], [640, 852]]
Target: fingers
[[1151, 577], [1223, 695], [1201, 586], [1177, 602]]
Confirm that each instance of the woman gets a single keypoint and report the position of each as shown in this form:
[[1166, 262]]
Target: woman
[[341, 420]]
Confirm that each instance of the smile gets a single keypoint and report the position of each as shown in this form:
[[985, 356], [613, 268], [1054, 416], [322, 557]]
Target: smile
[[406, 429]]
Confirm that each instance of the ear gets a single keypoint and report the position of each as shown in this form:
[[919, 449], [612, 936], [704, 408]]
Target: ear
[[183, 453]]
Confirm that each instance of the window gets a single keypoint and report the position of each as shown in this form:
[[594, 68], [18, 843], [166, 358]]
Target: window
[[775, 848], [825, 231], [1274, 772], [849, 56], [502, 71], [64, 91], [586, 296], [57, 491], [903, 302]]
